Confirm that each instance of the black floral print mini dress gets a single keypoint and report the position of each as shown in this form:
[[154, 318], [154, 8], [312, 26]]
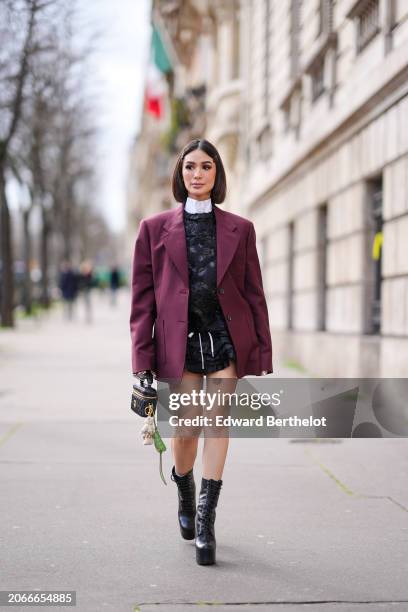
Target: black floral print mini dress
[[209, 344]]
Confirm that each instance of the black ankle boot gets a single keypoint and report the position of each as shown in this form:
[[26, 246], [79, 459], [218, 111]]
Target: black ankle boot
[[205, 536], [187, 503]]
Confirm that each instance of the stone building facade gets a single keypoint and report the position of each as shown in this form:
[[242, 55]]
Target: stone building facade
[[307, 101], [326, 140]]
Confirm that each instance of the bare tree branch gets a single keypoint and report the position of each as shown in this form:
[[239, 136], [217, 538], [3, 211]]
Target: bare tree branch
[[18, 100]]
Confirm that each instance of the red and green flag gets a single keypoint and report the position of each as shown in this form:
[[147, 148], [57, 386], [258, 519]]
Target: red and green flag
[[156, 85]]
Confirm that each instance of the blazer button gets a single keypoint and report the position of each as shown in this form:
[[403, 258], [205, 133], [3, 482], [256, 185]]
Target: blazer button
[[221, 290], [229, 318], [183, 290]]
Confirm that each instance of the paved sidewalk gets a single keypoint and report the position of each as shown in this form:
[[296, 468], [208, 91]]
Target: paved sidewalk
[[301, 524]]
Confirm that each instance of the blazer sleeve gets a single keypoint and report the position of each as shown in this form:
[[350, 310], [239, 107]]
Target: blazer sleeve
[[143, 304], [256, 298]]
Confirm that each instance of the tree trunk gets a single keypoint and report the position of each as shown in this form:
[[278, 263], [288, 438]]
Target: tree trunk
[[45, 234], [7, 275], [27, 293], [67, 233]]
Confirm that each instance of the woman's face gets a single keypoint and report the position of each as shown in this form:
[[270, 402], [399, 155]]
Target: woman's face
[[199, 172]]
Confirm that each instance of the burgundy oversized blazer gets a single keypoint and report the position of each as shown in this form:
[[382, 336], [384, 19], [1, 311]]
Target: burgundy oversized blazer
[[160, 290]]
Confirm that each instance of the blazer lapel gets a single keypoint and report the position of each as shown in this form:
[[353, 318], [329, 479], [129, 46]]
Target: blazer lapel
[[227, 241], [174, 239]]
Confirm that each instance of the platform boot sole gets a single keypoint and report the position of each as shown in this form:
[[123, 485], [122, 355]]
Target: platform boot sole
[[205, 556], [187, 534]]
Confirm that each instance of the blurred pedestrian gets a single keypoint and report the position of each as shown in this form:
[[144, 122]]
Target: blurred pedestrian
[[85, 287], [114, 283], [68, 285]]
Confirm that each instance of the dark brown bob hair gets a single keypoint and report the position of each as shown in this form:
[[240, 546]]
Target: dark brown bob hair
[[219, 190]]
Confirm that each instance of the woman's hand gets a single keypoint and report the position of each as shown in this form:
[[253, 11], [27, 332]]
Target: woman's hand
[[146, 375]]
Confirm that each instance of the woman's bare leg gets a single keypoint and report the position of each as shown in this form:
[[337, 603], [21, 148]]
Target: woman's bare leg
[[185, 441], [215, 442]]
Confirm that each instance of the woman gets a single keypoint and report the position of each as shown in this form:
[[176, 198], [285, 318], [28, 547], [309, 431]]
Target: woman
[[196, 278]]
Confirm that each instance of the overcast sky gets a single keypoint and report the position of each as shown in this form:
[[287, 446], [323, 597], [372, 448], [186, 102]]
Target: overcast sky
[[120, 66]]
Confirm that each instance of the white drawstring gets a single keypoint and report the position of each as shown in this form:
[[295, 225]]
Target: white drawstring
[[212, 346], [201, 346], [201, 349]]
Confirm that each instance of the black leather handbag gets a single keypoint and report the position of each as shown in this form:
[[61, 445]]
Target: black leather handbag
[[144, 398]]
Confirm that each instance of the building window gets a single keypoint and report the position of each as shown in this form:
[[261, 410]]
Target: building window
[[264, 142], [291, 265], [366, 14], [286, 118], [391, 14], [390, 21], [267, 53], [235, 69], [317, 76], [325, 17], [321, 67], [292, 111], [295, 8], [374, 254], [322, 267]]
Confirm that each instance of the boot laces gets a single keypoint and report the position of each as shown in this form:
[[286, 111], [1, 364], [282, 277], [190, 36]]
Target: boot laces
[[207, 514], [185, 487], [207, 519]]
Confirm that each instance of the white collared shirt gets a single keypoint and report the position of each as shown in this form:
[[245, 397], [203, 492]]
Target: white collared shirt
[[198, 206]]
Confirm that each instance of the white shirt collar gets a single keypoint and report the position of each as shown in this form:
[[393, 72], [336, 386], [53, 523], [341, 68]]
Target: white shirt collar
[[198, 206]]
